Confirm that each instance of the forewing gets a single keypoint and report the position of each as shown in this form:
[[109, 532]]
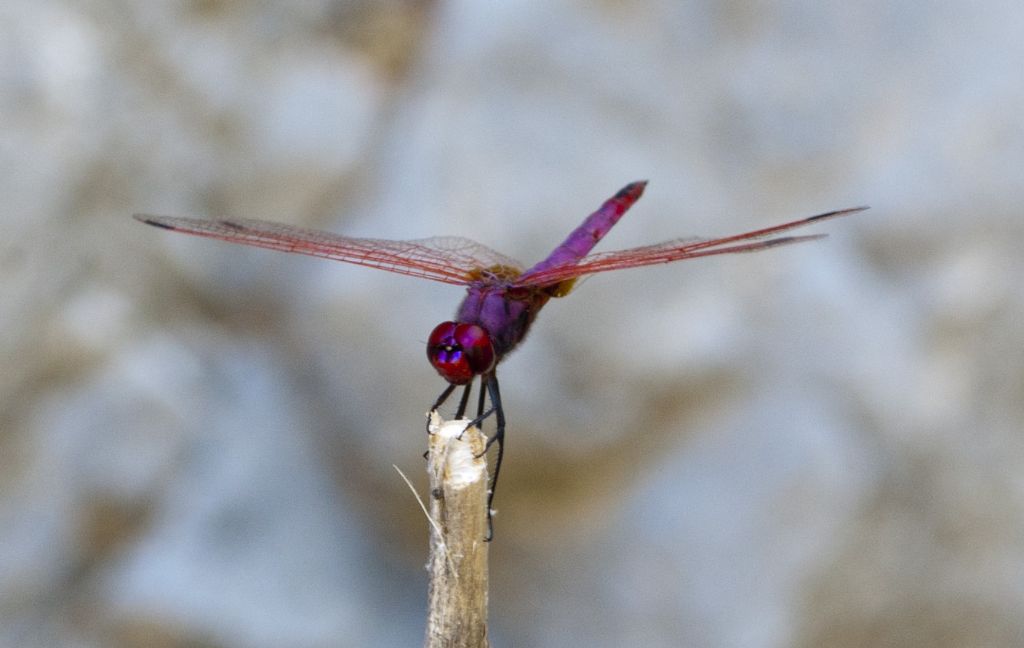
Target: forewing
[[679, 249], [449, 259]]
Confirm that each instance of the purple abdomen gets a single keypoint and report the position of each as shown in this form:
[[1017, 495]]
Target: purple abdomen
[[506, 312]]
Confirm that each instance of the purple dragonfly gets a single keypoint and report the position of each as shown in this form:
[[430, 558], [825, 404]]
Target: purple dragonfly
[[502, 298]]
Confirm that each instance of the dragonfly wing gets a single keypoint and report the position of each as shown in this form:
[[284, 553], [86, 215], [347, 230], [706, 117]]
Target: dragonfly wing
[[449, 259], [679, 249]]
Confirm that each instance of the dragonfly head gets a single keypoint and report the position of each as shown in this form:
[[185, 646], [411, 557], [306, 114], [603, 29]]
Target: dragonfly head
[[460, 352]]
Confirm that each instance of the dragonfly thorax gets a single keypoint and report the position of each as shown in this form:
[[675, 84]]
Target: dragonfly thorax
[[460, 352]]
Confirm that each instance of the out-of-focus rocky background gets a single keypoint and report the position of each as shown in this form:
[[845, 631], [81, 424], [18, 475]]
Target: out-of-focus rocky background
[[821, 445]]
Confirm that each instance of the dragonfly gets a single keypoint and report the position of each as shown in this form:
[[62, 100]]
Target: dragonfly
[[502, 297]]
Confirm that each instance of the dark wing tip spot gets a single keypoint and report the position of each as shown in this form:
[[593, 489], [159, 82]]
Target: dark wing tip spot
[[152, 221], [838, 212]]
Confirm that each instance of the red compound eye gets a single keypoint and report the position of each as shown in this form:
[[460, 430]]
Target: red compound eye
[[460, 351]]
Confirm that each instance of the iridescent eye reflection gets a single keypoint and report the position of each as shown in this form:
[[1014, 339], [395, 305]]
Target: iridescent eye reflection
[[460, 352]]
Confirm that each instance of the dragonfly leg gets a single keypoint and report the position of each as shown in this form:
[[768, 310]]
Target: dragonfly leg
[[481, 401], [444, 396], [499, 436], [483, 396], [463, 401], [440, 401], [490, 381]]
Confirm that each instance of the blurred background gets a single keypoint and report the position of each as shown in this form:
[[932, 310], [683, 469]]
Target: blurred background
[[815, 446]]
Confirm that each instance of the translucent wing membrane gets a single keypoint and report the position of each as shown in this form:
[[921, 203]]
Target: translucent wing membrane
[[679, 249], [449, 259]]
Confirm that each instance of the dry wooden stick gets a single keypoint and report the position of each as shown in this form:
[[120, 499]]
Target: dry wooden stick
[[457, 595]]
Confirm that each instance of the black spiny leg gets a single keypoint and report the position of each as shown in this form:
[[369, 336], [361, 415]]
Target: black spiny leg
[[463, 401], [481, 401], [499, 436], [440, 401], [483, 397], [444, 396], [490, 381]]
